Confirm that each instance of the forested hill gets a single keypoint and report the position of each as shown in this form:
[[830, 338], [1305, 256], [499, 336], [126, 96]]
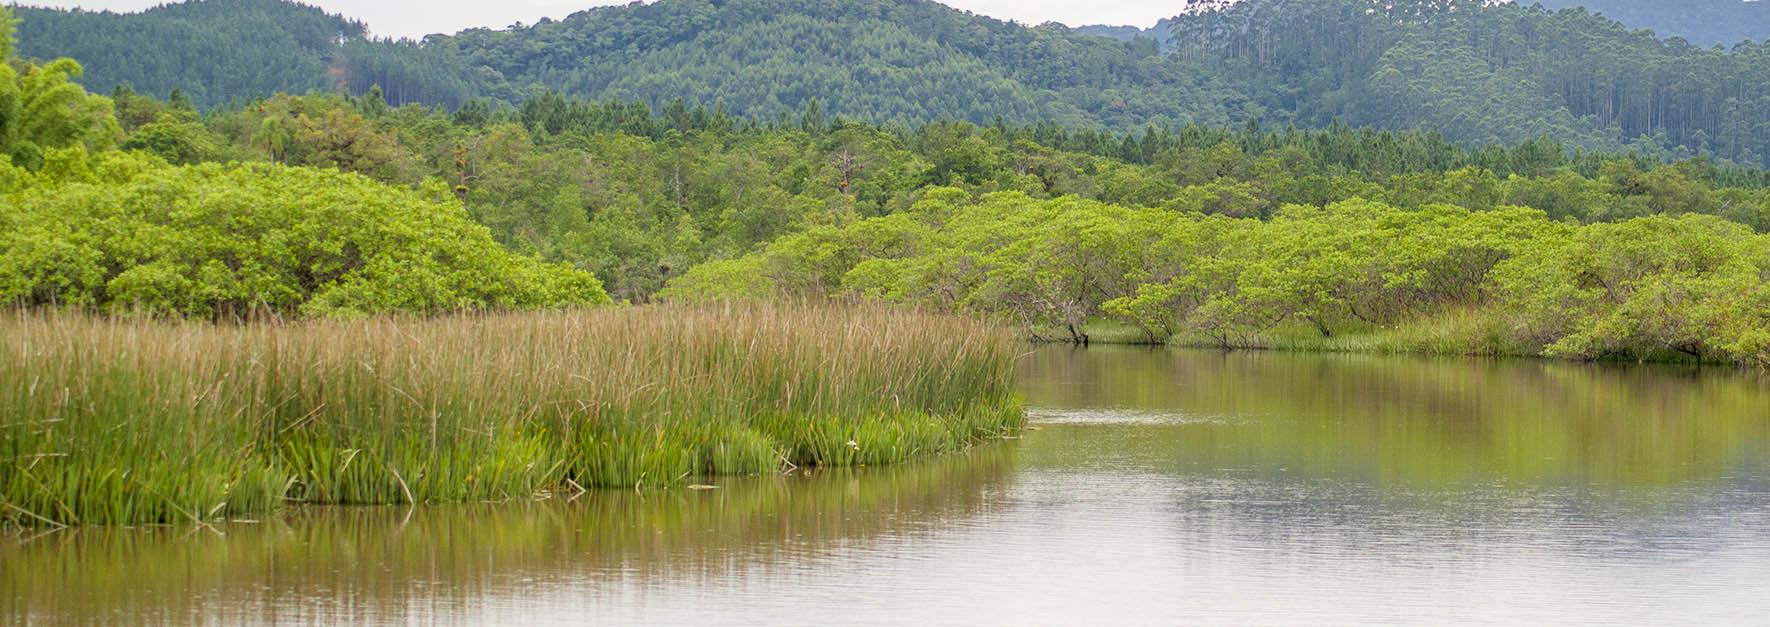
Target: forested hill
[[1703, 22], [1478, 73], [213, 50]]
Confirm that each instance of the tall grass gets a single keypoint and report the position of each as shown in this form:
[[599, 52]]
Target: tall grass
[[124, 422]]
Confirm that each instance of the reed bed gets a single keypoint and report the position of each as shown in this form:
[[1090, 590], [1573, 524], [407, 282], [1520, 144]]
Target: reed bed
[[111, 421]]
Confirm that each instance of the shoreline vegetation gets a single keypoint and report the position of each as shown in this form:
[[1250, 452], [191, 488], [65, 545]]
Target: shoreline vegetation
[[1353, 275], [1468, 334], [1449, 336], [123, 422]]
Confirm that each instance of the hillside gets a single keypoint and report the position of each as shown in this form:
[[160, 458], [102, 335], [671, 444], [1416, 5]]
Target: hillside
[[1478, 73], [1702, 22], [215, 51]]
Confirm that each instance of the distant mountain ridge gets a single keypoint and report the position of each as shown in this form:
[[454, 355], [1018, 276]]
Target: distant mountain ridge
[[1161, 33], [1477, 73], [1703, 22]]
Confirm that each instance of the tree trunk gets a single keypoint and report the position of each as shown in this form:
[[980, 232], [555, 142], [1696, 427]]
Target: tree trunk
[[1077, 337]]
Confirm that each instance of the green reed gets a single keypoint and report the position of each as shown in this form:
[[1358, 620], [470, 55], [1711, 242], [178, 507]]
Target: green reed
[[114, 421]]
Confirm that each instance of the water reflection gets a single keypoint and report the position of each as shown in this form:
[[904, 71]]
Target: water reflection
[[1429, 423], [385, 564], [1160, 488]]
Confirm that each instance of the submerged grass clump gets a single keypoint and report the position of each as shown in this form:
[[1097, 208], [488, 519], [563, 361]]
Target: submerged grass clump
[[129, 422]]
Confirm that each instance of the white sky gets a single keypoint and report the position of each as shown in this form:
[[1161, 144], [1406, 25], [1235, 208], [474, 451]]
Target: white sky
[[416, 18]]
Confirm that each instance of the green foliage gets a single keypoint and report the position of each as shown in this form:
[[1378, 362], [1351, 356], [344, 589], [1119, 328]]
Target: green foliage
[[640, 196], [43, 109], [128, 232], [1645, 288], [1234, 235], [181, 143], [1703, 22], [215, 51], [1438, 278], [1477, 71]]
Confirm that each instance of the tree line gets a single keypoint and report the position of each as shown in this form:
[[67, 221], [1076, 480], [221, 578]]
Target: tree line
[[1438, 278], [1478, 72], [639, 195], [1702, 22]]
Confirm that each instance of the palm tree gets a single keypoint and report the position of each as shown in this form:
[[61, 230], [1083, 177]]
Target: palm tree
[[42, 108], [276, 137]]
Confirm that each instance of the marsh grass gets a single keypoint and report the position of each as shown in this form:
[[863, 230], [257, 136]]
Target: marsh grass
[[1099, 331], [1466, 332], [1469, 332], [114, 421]]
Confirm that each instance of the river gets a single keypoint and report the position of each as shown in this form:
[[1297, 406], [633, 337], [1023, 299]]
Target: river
[[1156, 487]]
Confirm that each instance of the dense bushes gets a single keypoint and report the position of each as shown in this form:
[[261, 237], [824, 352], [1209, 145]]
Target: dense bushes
[[1693, 285], [123, 231], [1507, 280], [639, 196], [85, 226]]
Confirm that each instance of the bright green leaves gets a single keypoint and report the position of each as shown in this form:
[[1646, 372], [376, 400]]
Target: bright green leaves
[[42, 108], [231, 241], [181, 143], [1646, 288], [1056, 263], [8, 33]]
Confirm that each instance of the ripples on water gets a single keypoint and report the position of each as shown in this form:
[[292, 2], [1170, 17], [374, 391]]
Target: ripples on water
[[1041, 416], [1159, 488]]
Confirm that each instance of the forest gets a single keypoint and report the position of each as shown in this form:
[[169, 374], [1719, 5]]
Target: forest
[[1344, 237], [1702, 22], [1477, 72], [1705, 23]]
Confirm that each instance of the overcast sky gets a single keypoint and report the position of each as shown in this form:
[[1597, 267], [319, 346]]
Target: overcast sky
[[415, 18]]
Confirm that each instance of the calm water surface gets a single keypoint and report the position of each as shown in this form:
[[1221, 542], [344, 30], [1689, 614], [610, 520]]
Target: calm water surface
[[1160, 488]]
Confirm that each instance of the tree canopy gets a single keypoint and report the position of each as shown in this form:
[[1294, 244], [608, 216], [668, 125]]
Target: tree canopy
[[1702, 22], [85, 225], [42, 108], [1505, 281], [337, 204], [1477, 71]]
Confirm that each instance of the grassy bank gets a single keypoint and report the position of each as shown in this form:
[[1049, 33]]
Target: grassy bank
[[1455, 333], [1465, 333], [119, 422], [1096, 331], [1460, 333]]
